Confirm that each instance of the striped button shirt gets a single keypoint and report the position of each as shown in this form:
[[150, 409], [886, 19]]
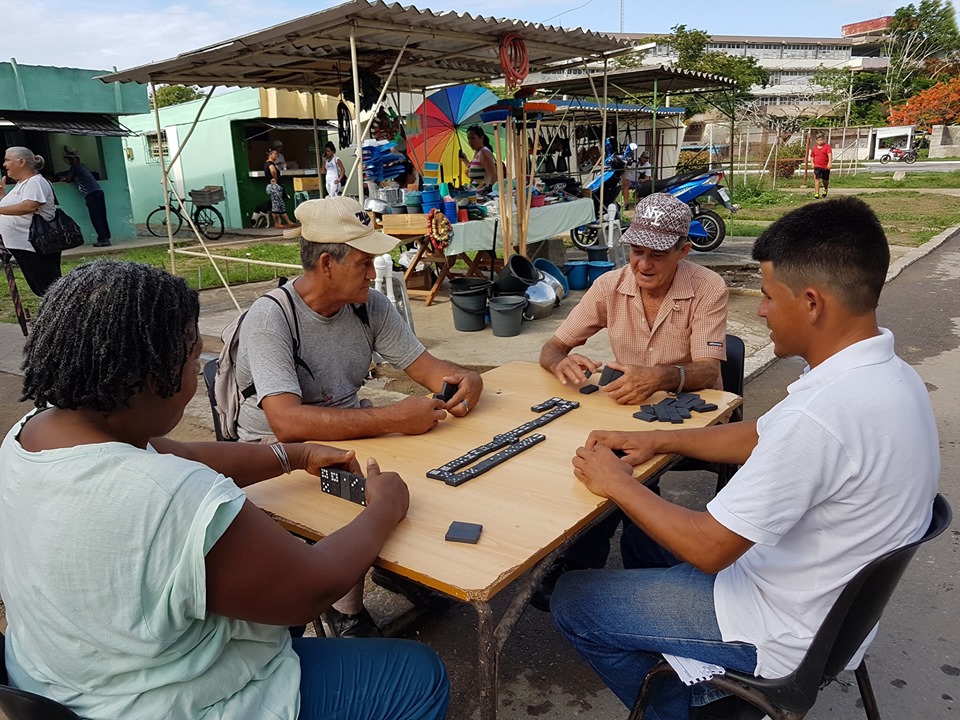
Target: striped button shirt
[[690, 325]]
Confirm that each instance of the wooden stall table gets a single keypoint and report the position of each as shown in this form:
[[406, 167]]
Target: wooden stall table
[[407, 227], [530, 506]]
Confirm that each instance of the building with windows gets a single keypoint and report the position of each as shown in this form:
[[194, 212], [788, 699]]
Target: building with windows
[[791, 62]]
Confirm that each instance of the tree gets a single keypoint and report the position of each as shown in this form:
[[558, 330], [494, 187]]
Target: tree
[[691, 46], [939, 105], [919, 39], [176, 94], [858, 93]]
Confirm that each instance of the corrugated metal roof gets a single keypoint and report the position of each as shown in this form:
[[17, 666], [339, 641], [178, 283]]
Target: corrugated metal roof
[[641, 81], [70, 123], [313, 52], [579, 104], [297, 124]]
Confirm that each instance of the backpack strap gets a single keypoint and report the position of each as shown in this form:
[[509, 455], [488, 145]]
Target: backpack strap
[[361, 312], [290, 313]]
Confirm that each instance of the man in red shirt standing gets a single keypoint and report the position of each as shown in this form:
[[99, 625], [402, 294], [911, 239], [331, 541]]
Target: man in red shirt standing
[[822, 156]]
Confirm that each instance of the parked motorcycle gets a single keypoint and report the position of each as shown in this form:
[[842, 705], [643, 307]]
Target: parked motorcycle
[[895, 153], [707, 229]]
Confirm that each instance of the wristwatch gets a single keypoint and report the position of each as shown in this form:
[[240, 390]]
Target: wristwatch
[[683, 379]]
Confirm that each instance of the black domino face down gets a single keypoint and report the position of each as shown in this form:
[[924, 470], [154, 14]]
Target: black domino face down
[[674, 409]]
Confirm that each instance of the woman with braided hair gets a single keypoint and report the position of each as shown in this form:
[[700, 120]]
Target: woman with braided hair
[[138, 581]]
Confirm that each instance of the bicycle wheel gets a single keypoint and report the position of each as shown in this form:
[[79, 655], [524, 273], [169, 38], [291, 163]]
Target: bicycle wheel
[[209, 222], [157, 222]]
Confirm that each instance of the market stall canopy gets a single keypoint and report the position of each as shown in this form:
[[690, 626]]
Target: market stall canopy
[[642, 81], [70, 123], [312, 53], [297, 124], [578, 104]]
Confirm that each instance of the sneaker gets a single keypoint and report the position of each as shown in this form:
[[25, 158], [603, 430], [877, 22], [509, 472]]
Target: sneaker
[[360, 625], [541, 596], [420, 596]]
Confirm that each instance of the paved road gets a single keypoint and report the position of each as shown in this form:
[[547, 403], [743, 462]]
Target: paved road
[[919, 166]]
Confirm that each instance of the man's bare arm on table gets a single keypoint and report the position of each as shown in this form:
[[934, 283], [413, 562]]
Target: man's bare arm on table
[[637, 383], [292, 421], [694, 537]]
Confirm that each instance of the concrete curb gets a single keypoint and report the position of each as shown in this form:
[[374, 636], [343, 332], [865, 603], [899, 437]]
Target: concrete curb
[[759, 361]]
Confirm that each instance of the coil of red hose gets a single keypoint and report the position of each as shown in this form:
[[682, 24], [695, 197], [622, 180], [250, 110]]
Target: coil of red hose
[[514, 59]]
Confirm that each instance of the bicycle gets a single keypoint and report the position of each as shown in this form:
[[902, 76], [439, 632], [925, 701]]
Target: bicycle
[[207, 218]]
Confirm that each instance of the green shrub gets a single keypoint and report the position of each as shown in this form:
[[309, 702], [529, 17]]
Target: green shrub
[[789, 158], [691, 160]]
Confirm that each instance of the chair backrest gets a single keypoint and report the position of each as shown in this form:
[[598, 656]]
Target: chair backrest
[[850, 620], [21, 705], [210, 380], [731, 369]]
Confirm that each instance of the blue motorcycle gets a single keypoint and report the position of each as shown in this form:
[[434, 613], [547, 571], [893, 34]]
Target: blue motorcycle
[[707, 229]]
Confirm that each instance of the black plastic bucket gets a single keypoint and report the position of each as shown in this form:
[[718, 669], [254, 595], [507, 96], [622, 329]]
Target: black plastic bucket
[[517, 275], [598, 253], [468, 297]]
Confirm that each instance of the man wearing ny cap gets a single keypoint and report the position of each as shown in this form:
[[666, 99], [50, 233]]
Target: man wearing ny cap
[[342, 323], [666, 318]]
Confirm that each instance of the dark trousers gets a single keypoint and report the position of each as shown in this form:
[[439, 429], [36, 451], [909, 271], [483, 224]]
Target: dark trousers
[[39, 270], [97, 208]]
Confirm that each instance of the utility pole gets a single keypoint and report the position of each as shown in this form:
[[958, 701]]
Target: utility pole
[[621, 17]]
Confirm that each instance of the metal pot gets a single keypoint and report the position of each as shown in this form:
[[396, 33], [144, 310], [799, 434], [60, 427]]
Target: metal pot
[[541, 299], [376, 205], [554, 283]]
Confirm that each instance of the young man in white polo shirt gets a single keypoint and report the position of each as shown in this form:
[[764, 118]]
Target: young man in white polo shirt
[[842, 470]]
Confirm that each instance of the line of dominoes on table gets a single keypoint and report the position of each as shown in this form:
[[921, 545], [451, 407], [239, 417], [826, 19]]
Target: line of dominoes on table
[[504, 446]]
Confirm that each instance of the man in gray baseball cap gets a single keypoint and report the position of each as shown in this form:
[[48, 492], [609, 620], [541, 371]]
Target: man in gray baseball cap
[[666, 318], [310, 391]]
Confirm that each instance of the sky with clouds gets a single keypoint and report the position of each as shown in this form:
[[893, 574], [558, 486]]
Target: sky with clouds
[[102, 34]]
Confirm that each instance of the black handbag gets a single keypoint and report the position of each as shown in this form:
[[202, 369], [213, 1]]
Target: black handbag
[[57, 235]]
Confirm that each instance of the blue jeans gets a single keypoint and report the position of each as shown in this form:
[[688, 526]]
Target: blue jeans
[[351, 678], [621, 620]]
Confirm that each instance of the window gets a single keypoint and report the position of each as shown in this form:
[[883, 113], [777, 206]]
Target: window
[[152, 148]]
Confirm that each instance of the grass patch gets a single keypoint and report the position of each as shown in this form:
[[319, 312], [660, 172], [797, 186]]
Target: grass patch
[[197, 271], [883, 180]]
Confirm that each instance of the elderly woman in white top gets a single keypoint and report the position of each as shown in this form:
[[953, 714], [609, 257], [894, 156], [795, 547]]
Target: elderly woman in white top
[[18, 204]]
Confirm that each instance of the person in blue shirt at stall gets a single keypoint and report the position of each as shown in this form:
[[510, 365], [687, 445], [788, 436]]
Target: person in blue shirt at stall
[[90, 191]]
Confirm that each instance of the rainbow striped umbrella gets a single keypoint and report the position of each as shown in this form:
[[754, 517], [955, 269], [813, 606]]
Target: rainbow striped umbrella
[[449, 112]]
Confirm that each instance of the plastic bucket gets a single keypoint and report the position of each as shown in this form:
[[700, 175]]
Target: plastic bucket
[[430, 196], [576, 273], [506, 315], [427, 207], [596, 269], [518, 274], [538, 201], [450, 210], [549, 268], [597, 254], [468, 297]]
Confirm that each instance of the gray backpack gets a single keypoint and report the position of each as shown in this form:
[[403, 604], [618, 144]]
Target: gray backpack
[[228, 393]]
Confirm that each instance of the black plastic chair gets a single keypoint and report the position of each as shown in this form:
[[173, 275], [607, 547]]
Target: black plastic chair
[[731, 372], [843, 631], [209, 379], [22, 705]]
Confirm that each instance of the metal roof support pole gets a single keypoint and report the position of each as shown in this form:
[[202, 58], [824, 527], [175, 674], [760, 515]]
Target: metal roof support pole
[[165, 174], [358, 132], [373, 112], [655, 169], [603, 134], [733, 126], [165, 179], [316, 136]]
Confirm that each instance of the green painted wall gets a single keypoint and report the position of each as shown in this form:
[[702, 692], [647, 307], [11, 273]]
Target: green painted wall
[[52, 89], [214, 155], [55, 89]]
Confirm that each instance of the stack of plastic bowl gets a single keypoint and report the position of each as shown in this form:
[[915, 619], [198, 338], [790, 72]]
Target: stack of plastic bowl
[[430, 198], [450, 210]]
